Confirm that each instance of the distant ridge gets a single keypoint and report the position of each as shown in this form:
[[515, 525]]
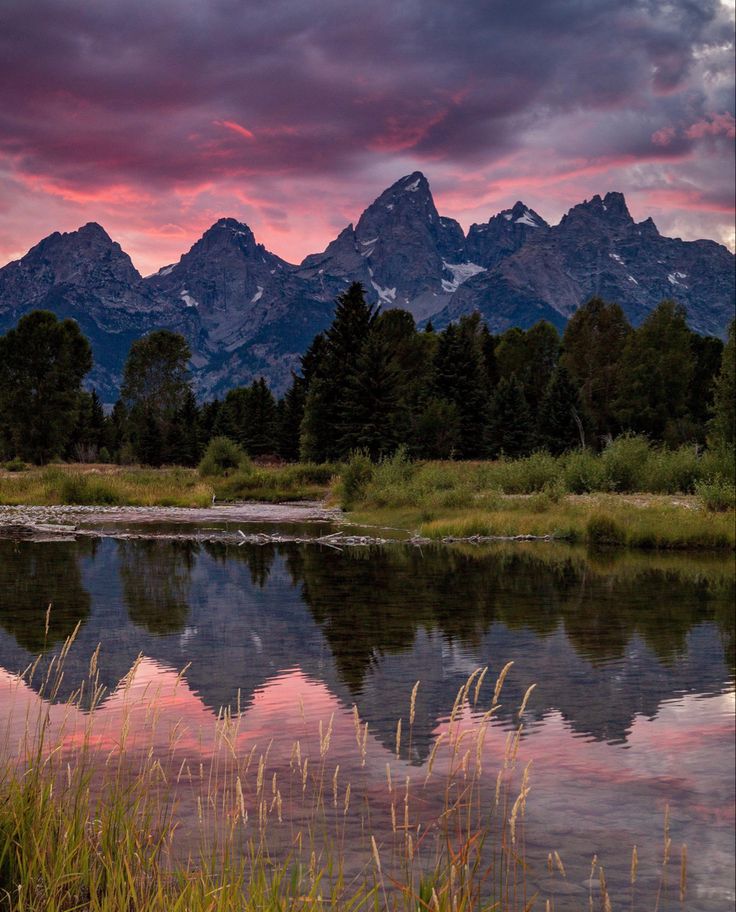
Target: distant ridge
[[248, 313]]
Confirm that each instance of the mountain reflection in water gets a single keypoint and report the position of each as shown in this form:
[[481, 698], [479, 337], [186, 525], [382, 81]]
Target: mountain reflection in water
[[632, 656]]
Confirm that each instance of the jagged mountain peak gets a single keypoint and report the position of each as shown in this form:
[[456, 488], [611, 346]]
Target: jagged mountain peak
[[610, 209], [503, 234], [409, 198], [85, 255], [93, 229], [228, 232]]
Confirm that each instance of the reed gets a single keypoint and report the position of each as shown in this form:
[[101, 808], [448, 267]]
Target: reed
[[122, 825]]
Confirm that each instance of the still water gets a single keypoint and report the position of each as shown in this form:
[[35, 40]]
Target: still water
[[632, 655]]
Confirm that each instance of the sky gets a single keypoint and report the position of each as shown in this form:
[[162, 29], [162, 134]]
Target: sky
[[157, 117]]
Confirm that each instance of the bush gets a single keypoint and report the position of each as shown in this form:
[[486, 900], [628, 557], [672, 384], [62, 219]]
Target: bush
[[718, 462], [717, 495], [222, 457], [672, 471], [356, 476], [626, 463], [582, 472], [15, 465], [528, 475], [82, 490], [602, 529]]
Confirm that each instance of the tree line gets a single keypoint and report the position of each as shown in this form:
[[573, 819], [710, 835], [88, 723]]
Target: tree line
[[374, 382]]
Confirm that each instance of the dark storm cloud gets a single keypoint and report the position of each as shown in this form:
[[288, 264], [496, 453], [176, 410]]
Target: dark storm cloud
[[120, 99]]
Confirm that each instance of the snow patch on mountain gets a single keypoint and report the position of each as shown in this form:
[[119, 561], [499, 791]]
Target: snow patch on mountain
[[527, 219], [188, 300], [461, 272]]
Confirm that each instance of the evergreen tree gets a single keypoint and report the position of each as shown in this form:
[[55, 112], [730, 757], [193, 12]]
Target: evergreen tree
[[327, 411], [460, 377], [184, 443], [155, 387], [373, 420], [723, 422], [437, 430], [289, 417], [559, 425], [259, 429], [657, 367], [708, 356], [511, 427], [208, 415], [42, 364], [117, 431], [592, 348]]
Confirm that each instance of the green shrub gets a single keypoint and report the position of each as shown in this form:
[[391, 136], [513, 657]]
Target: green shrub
[[672, 471], [718, 462], [222, 457], [602, 529], [528, 475], [626, 463], [15, 465], [717, 495], [355, 478], [583, 472], [83, 490]]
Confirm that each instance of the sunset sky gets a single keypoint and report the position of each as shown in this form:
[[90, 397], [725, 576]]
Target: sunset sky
[[157, 117]]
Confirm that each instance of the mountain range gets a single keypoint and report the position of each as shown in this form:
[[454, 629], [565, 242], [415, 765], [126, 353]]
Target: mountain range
[[247, 313]]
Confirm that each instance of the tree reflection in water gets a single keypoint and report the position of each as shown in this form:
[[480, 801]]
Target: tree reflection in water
[[34, 577]]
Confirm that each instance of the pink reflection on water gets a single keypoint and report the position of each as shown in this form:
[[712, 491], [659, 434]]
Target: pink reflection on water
[[586, 796]]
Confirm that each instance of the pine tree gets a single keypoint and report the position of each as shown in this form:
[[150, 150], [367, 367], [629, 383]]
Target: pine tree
[[511, 427], [155, 386], [259, 420], [436, 432], [327, 411], [656, 370], [723, 423], [42, 364], [184, 445], [461, 378], [592, 348], [289, 417], [372, 422], [559, 425]]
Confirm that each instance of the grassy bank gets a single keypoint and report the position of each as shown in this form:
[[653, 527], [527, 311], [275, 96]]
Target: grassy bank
[[688, 500], [631, 495], [107, 485], [222, 825]]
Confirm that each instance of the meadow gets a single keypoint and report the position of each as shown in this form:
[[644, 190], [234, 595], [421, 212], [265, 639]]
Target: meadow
[[633, 494]]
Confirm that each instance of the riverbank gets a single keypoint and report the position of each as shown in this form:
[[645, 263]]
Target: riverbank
[[538, 497], [641, 521]]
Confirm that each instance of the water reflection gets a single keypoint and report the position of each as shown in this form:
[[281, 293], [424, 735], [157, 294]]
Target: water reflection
[[632, 654], [606, 637], [156, 576], [31, 579]]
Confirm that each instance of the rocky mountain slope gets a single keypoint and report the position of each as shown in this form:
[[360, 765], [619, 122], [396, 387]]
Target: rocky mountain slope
[[246, 312], [598, 249]]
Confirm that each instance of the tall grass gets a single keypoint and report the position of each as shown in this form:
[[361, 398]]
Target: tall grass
[[575, 496], [105, 486], [87, 823]]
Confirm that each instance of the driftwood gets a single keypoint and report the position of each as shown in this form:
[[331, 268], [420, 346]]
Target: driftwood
[[49, 531]]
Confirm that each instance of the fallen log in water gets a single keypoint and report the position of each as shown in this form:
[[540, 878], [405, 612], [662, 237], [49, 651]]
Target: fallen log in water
[[36, 530]]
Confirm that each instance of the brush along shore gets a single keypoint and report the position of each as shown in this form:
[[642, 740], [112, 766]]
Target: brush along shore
[[631, 495]]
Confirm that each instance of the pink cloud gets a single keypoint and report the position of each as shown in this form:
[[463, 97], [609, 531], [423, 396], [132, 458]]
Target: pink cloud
[[236, 128], [664, 136], [713, 125]]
